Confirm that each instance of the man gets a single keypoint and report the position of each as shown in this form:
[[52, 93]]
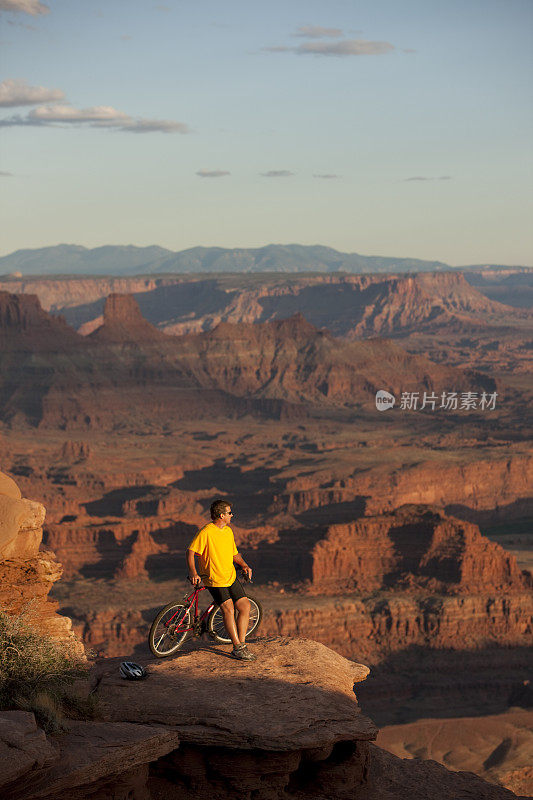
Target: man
[[215, 545]]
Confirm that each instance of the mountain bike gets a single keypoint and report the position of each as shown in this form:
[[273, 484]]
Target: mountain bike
[[176, 621]]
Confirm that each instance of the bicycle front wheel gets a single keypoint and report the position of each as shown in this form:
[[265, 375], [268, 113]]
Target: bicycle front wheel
[[169, 629], [217, 629]]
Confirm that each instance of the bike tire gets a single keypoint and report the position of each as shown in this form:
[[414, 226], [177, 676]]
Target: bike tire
[[162, 639], [215, 622]]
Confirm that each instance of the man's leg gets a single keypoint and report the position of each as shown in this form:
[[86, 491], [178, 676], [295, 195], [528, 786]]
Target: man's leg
[[228, 612], [243, 608]]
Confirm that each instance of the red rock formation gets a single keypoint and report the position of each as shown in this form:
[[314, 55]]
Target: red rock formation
[[108, 543], [113, 632], [499, 485], [425, 300], [74, 452], [56, 294], [111, 760], [413, 548], [23, 323], [371, 629], [484, 490], [377, 303], [436, 314], [123, 322], [133, 564], [293, 360], [129, 372], [27, 573]]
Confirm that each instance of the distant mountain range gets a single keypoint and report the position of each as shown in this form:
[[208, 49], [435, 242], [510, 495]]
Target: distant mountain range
[[68, 259]]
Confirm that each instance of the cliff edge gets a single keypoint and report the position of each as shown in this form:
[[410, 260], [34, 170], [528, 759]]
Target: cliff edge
[[286, 727], [202, 726], [27, 573]]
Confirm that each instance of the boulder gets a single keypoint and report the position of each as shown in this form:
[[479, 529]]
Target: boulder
[[23, 746], [298, 695], [94, 758], [26, 572]]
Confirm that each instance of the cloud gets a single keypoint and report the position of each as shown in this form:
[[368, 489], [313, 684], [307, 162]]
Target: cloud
[[16, 92], [423, 178], [317, 32], [162, 7], [277, 173], [155, 126], [212, 173], [5, 174], [96, 117], [32, 7], [125, 37], [326, 176], [347, 47], [67, 113]]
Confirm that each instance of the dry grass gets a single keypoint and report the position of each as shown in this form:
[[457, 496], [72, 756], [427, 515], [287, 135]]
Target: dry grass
[[36, 673]]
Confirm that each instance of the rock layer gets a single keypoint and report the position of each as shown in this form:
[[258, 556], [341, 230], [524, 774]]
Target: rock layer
[[308, 741], [310, 686], [413, 548], [128, 370], [26, 572]]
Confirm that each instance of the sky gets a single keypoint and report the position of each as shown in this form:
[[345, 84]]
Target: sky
[[371, 126]]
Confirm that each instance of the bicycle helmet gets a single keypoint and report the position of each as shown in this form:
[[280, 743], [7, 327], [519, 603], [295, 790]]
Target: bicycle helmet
[[132, 671]]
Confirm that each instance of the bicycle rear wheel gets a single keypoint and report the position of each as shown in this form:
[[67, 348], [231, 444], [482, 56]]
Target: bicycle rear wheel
[[169, 630], [217, 629]]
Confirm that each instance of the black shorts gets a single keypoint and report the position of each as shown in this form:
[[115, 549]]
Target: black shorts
[[222, 593]]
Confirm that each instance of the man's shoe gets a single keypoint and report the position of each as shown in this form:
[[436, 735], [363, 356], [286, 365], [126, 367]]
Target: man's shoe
[[243, 654]]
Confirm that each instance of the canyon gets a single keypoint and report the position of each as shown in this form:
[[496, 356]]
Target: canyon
[[377, 534], [187, 732], [454, 317]]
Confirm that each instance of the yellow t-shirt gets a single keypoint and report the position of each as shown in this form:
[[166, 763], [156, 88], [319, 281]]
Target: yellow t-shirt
[[216, 548]]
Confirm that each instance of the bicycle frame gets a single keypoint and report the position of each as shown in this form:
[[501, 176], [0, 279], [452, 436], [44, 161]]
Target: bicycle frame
[[192, 599]]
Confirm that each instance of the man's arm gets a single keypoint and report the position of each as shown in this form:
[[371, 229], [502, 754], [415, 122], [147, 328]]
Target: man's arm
[[191, 563], [239, 560]]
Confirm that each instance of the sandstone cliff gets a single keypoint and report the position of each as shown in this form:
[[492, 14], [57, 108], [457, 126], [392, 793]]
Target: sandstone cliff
[[436, 314], [286, 728], [415, 547], [98, 538], [26, 572], [345, 304], [123, 322], [129, 373], [476, 489]]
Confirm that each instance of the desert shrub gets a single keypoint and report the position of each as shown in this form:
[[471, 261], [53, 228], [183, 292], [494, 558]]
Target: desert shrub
[[36, 672]]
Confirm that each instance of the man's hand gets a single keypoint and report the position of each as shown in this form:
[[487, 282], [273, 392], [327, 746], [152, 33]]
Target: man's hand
[[194, 578], [247, 572]]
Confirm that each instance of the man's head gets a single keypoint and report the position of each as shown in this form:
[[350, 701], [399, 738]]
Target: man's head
[[221, 509]]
